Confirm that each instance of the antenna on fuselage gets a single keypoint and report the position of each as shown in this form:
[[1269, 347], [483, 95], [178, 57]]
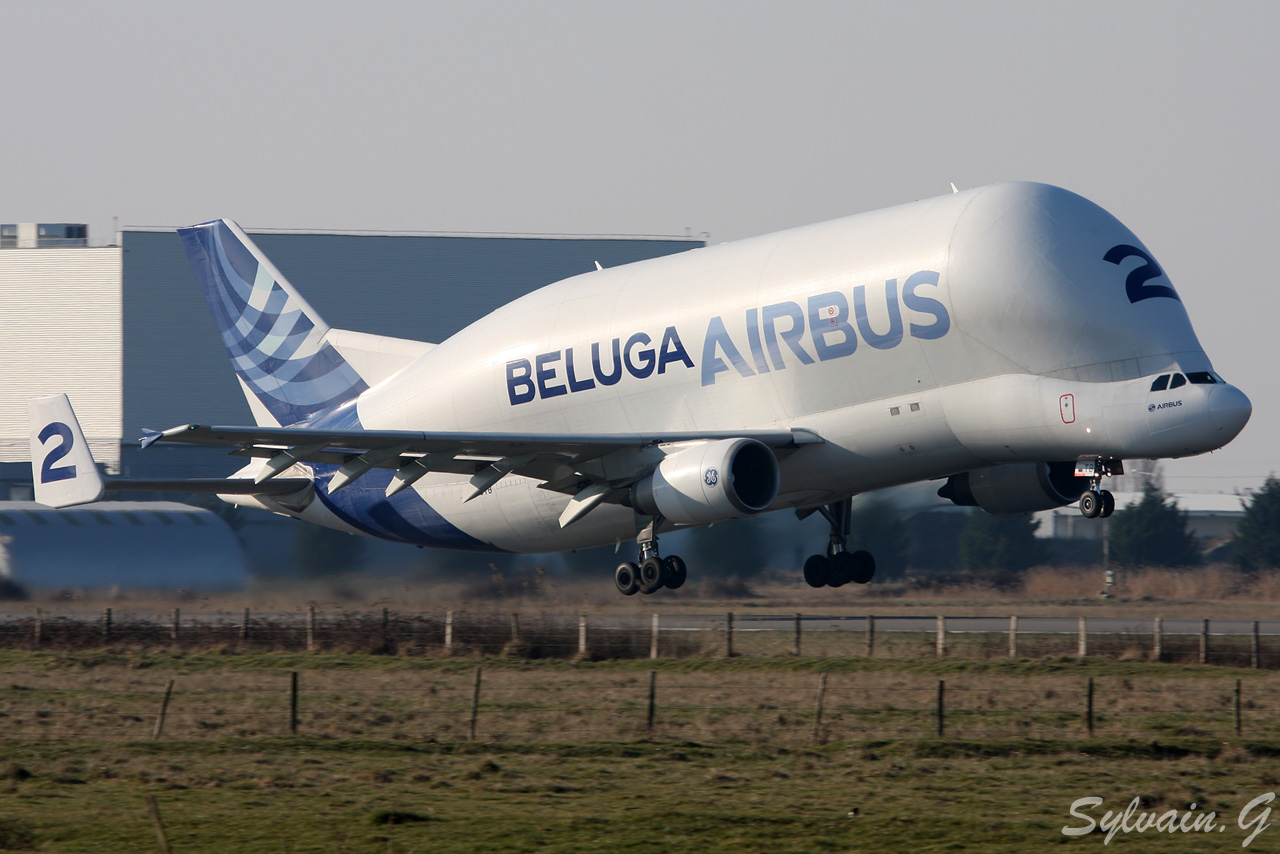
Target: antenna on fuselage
[[953, 187]]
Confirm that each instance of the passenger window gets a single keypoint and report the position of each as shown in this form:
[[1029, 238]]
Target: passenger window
[[1178, 381], [1200, 378], [1161, 383]]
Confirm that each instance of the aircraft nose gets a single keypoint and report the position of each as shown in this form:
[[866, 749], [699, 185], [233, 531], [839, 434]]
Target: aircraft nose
[[1230, 410]]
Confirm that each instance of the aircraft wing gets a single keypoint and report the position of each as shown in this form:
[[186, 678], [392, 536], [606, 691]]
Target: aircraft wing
[[568, 463]]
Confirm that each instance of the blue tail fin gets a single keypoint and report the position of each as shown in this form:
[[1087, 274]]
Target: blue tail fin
[[275, 339]]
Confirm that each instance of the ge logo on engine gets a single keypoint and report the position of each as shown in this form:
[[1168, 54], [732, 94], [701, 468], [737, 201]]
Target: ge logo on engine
[[712, 477]]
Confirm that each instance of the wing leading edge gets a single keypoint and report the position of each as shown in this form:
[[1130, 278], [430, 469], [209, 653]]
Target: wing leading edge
[[593, 468]]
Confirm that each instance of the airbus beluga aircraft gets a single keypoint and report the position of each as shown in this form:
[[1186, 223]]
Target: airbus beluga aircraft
[[1015, 342]]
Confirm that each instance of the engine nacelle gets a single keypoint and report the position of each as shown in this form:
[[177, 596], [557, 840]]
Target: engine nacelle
[[1016, 487], [711, 482]]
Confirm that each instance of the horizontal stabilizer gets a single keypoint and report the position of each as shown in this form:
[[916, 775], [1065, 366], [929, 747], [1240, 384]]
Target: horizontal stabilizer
[[65, 474], [210, 486]]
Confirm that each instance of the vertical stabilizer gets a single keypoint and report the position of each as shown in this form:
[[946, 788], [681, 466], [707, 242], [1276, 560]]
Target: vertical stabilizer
[[275, 339], [62, 468]]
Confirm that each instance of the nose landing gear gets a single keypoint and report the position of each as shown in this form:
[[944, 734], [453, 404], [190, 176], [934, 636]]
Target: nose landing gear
[[838, 566], [1096, 502]]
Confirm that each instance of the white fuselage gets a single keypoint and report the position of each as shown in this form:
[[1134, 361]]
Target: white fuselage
[[950, 334]]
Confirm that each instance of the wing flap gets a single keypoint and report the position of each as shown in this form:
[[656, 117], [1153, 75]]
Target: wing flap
[[494, 445], [592, 467]]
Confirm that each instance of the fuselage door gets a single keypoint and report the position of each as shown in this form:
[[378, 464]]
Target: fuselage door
[[1067, 406]]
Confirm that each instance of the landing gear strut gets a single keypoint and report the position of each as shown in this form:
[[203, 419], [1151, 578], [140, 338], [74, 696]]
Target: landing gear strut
[[838, 567], [651, 572], [1095, 502]]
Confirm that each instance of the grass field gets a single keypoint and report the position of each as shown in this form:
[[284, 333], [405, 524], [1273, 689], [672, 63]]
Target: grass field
[[319, 795], [564, 760]]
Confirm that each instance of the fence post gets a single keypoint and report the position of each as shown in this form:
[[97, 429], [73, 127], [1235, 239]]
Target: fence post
[[311, 628], [448, 631], [164, 709], [728, 636], [941, 689], [153, 810], [871, 635], [40, 626], [1239, 723], [293, 702], [1013, 636], [940, 646], [244, 625], [475, 703], [582, 635], [796, 648], [817, 709], [1157, 631], [1082, 646], [653, 637], [1204, 641], [106, 624], [653, 695], [173, 630], [1088, 707], [1255, 648]]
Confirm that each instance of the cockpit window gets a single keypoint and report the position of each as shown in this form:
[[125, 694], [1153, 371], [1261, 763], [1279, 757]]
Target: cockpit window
[[1201, 377], [1178, 381], [1161, 383]]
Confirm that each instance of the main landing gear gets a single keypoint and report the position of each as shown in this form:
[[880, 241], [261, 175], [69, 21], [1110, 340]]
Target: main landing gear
[[839, 567], [650, 573], [1095, 502]]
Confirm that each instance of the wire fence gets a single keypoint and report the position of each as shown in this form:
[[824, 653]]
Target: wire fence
[[512, 705], [1225, 642]]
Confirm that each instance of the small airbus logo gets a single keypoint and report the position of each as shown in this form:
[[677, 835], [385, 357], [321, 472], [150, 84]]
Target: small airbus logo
[[712, 477], [1152, 407]]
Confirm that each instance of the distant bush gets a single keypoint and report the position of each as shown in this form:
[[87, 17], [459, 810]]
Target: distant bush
[[1002, 545], [1152, 532], [1256, 544]]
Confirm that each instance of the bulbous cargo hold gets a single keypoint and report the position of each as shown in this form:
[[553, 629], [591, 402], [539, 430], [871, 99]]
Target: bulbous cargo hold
[[1043, 281], [1085, 342]]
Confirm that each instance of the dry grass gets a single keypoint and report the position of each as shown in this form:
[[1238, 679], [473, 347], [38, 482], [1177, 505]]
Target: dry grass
[[1052, 590], [738, 703]]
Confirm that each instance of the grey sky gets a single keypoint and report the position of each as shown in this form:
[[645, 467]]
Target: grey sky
[[732, 118]]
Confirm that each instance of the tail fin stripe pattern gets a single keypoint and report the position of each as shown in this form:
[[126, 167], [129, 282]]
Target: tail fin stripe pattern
[[275, 340]]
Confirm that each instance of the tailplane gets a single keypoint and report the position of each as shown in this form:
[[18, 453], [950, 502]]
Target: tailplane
[[287, 369], [62, 468]]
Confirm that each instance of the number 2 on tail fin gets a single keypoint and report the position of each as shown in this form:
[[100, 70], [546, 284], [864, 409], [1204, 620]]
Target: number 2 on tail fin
[[50, 473]]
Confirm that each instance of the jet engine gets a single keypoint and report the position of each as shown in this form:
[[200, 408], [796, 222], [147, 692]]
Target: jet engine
[[710, 482], [1016, 487]]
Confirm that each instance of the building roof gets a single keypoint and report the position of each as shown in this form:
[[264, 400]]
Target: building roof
[[157, 544]]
